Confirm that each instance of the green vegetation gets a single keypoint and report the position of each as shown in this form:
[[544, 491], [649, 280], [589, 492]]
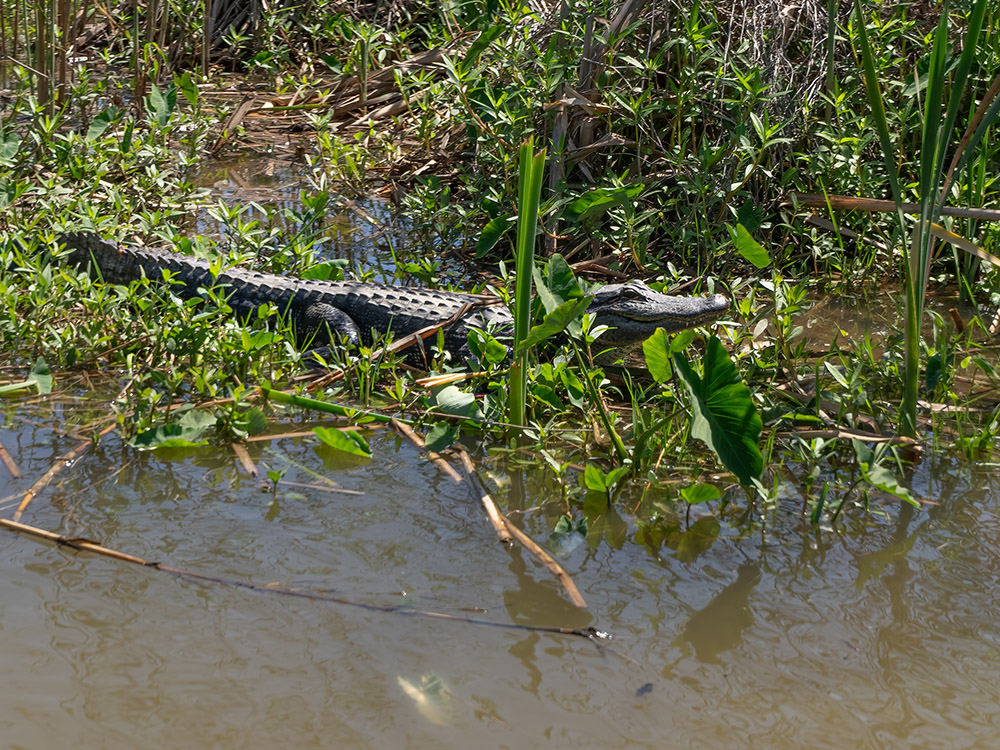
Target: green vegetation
[[674, 142]]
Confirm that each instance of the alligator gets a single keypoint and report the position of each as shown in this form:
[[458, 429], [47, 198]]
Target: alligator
[[324, 311]]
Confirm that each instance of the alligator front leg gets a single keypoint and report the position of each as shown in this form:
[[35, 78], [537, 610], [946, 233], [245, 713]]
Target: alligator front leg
[[318, 323]]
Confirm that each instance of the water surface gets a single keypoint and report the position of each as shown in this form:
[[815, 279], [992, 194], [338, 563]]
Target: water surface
[[880, 633]]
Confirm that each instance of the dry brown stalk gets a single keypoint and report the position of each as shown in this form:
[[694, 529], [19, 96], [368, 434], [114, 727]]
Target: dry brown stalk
[[407, 432], [84, 545], [233, 122], [874, 205], [404, 343], [319, 487], [547, 560], [484, 498], [62, 461], [9, 463], [244, 456], [846, 433]]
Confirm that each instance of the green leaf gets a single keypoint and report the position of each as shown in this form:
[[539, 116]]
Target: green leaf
[[10, 388], [593, 479], [724, 416], [557, 321], [482, 42], [935, 368], [878, 476], [9, 144], [254, 421], [560, 279], [162, 103], [187, 87], [184, 433], [599, 200], [575, 390], [102, 122], [700, 493], [615, 475], [550, 300], [492, 232], [42, 376], [347, 441], [547, 395], [441, 436], [657, 352], [327, 270], [749, 248], [836, 374], [453, 400], [485, 348], [750, 216]]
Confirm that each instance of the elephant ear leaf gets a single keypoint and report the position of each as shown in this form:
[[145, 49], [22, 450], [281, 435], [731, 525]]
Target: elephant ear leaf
[[723, 414]]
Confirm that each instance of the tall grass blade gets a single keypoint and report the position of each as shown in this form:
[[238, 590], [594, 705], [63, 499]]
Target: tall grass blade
[[938, 123], [529, 193]]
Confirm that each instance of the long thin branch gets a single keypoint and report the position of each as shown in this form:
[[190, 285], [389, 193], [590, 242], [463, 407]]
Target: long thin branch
[[85, 545]]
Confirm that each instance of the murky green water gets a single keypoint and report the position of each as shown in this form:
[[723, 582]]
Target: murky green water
[[885, 634]]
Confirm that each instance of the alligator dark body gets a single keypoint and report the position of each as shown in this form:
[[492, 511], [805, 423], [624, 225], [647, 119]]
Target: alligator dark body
[[352, 310]]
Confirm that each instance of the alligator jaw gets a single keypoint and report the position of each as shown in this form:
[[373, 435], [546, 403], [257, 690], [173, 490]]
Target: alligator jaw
[[633, 311]]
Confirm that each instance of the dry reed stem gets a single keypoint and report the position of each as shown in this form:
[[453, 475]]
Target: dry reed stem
[[233, 122], [527, 542], [320, 487], [62, 461], [9, 463], [846, 433], [84, 545], [404, 343], [484, 498], [244, 456], [407, 432], [547, 560], [874, 205]]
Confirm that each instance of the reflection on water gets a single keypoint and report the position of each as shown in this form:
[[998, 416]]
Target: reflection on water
[[370, 234], [719, 625], [880, 634]]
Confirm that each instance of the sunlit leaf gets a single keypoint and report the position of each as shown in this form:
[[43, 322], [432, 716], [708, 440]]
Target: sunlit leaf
[[700, 493], [593, 479], [657, 352], [750, 249], [327, 270], [482, 42], [9, 144], [42, 376], [186, 432], [347, 441], [597, 201], [102, 122], [880, 477], [557, 321], [453, 400], [187, 87]]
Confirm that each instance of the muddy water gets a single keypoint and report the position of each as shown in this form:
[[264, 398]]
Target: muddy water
[[881, 634]]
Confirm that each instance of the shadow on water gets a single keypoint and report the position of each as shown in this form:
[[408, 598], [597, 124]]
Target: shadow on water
[[719, 625]]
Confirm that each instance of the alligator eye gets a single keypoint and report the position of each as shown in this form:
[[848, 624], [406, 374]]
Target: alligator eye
[[630, 293]]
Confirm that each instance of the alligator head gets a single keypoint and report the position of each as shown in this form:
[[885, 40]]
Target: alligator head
[[634, 311]]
